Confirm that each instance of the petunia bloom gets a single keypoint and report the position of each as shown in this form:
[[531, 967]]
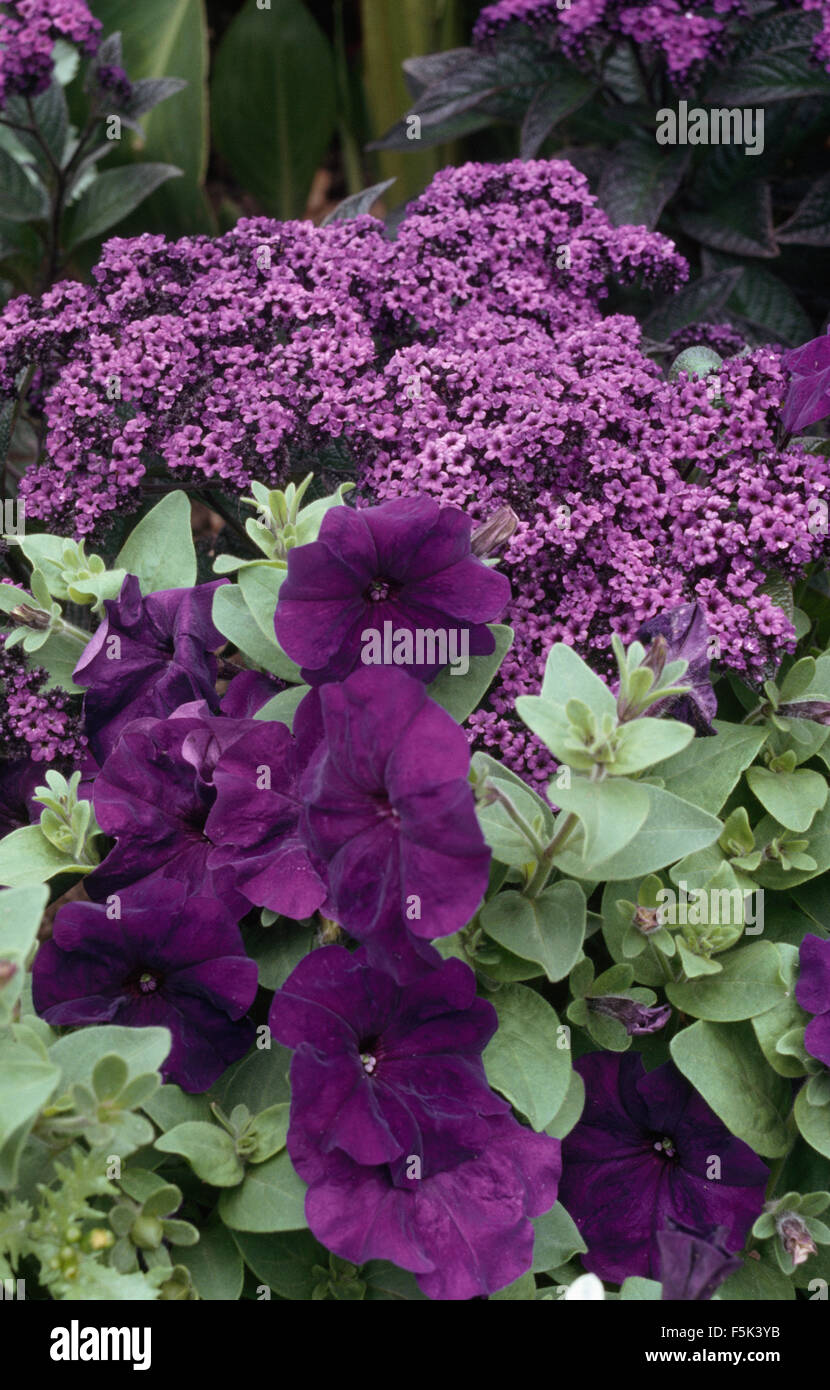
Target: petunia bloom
[[408, 1155], [389, 809], [812, 992], [383, 1071], [403, 572], [693, 1264], [646, 1150], [19, 780], [148, 656], [808, 397], [211, 802], [154, 957]]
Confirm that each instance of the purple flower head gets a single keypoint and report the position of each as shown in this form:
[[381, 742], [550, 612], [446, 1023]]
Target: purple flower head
[[149, 656], [155, 957], [403, 571], [408, 1154], [382, 1071], [114, 80], [693, 1264], [389, 809], [640, 1156], [812, 992], [211, 802], [686, 636], [808, 398]]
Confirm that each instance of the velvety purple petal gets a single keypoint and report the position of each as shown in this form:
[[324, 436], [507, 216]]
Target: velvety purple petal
[[817, 1038], [812, 988]]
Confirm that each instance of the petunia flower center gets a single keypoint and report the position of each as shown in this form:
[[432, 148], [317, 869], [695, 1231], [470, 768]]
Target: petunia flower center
[[380, 589], [146, 983], [369, 1050], [386, 811], [665, 1147]]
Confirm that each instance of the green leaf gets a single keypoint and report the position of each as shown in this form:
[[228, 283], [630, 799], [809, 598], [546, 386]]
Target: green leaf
[[260, 586], [386, 1283], [27, 858], [460, 695], [568, 677], [215, 1264], [556, 1241], [757, 1281], [813, 1122], [636, 1288], [549, 929], [165, 40], [278, 949], [506, 839], [522, 1289], [708, 770], [767, 303], [160, 551], [567, 90], [21, 910], [271, 1197], [727, 1067], [268, 1130], [749, 984], [274, 128], [358, 204], [114, 194], [771, 874], [259, 1080], [671, 829], [638, 180], [646, 741], [739, 223], [285, 1262], [611, 814], [143, 1049], [570, 1110], [524, 1059], [699, 302], [171, 1106], [235, 621], [209, 1150], [810, 223], [793, 798], [283, 707], [21, 200], [772, 63], [27, 1080]]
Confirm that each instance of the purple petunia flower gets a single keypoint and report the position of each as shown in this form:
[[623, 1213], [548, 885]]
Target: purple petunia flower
[[693, 1264], [382, 1071], [408, 1154], [812, 992], [686, 637], [643, 1153], [156, 957], [211, 802], [390, 811], [149, 656], [808, 397], [402, 570]]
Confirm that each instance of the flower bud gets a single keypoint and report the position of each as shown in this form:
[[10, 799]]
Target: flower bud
[[494, 533], [635, 1017], [795, 1237]]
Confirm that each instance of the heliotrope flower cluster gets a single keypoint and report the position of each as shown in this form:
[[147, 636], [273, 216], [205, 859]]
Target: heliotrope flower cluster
[[684, 34], [28, 30], [467, 361], [36, 722], [408, 1154]]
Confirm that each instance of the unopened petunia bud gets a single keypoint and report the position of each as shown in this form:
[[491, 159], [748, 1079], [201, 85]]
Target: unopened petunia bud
[[817, 710], [635, 1017], [795, 1237], [28, 616], [494, 533], [655, 657]]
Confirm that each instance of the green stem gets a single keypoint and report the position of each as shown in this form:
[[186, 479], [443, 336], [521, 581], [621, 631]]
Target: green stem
[[493, 793], [544, 867]]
